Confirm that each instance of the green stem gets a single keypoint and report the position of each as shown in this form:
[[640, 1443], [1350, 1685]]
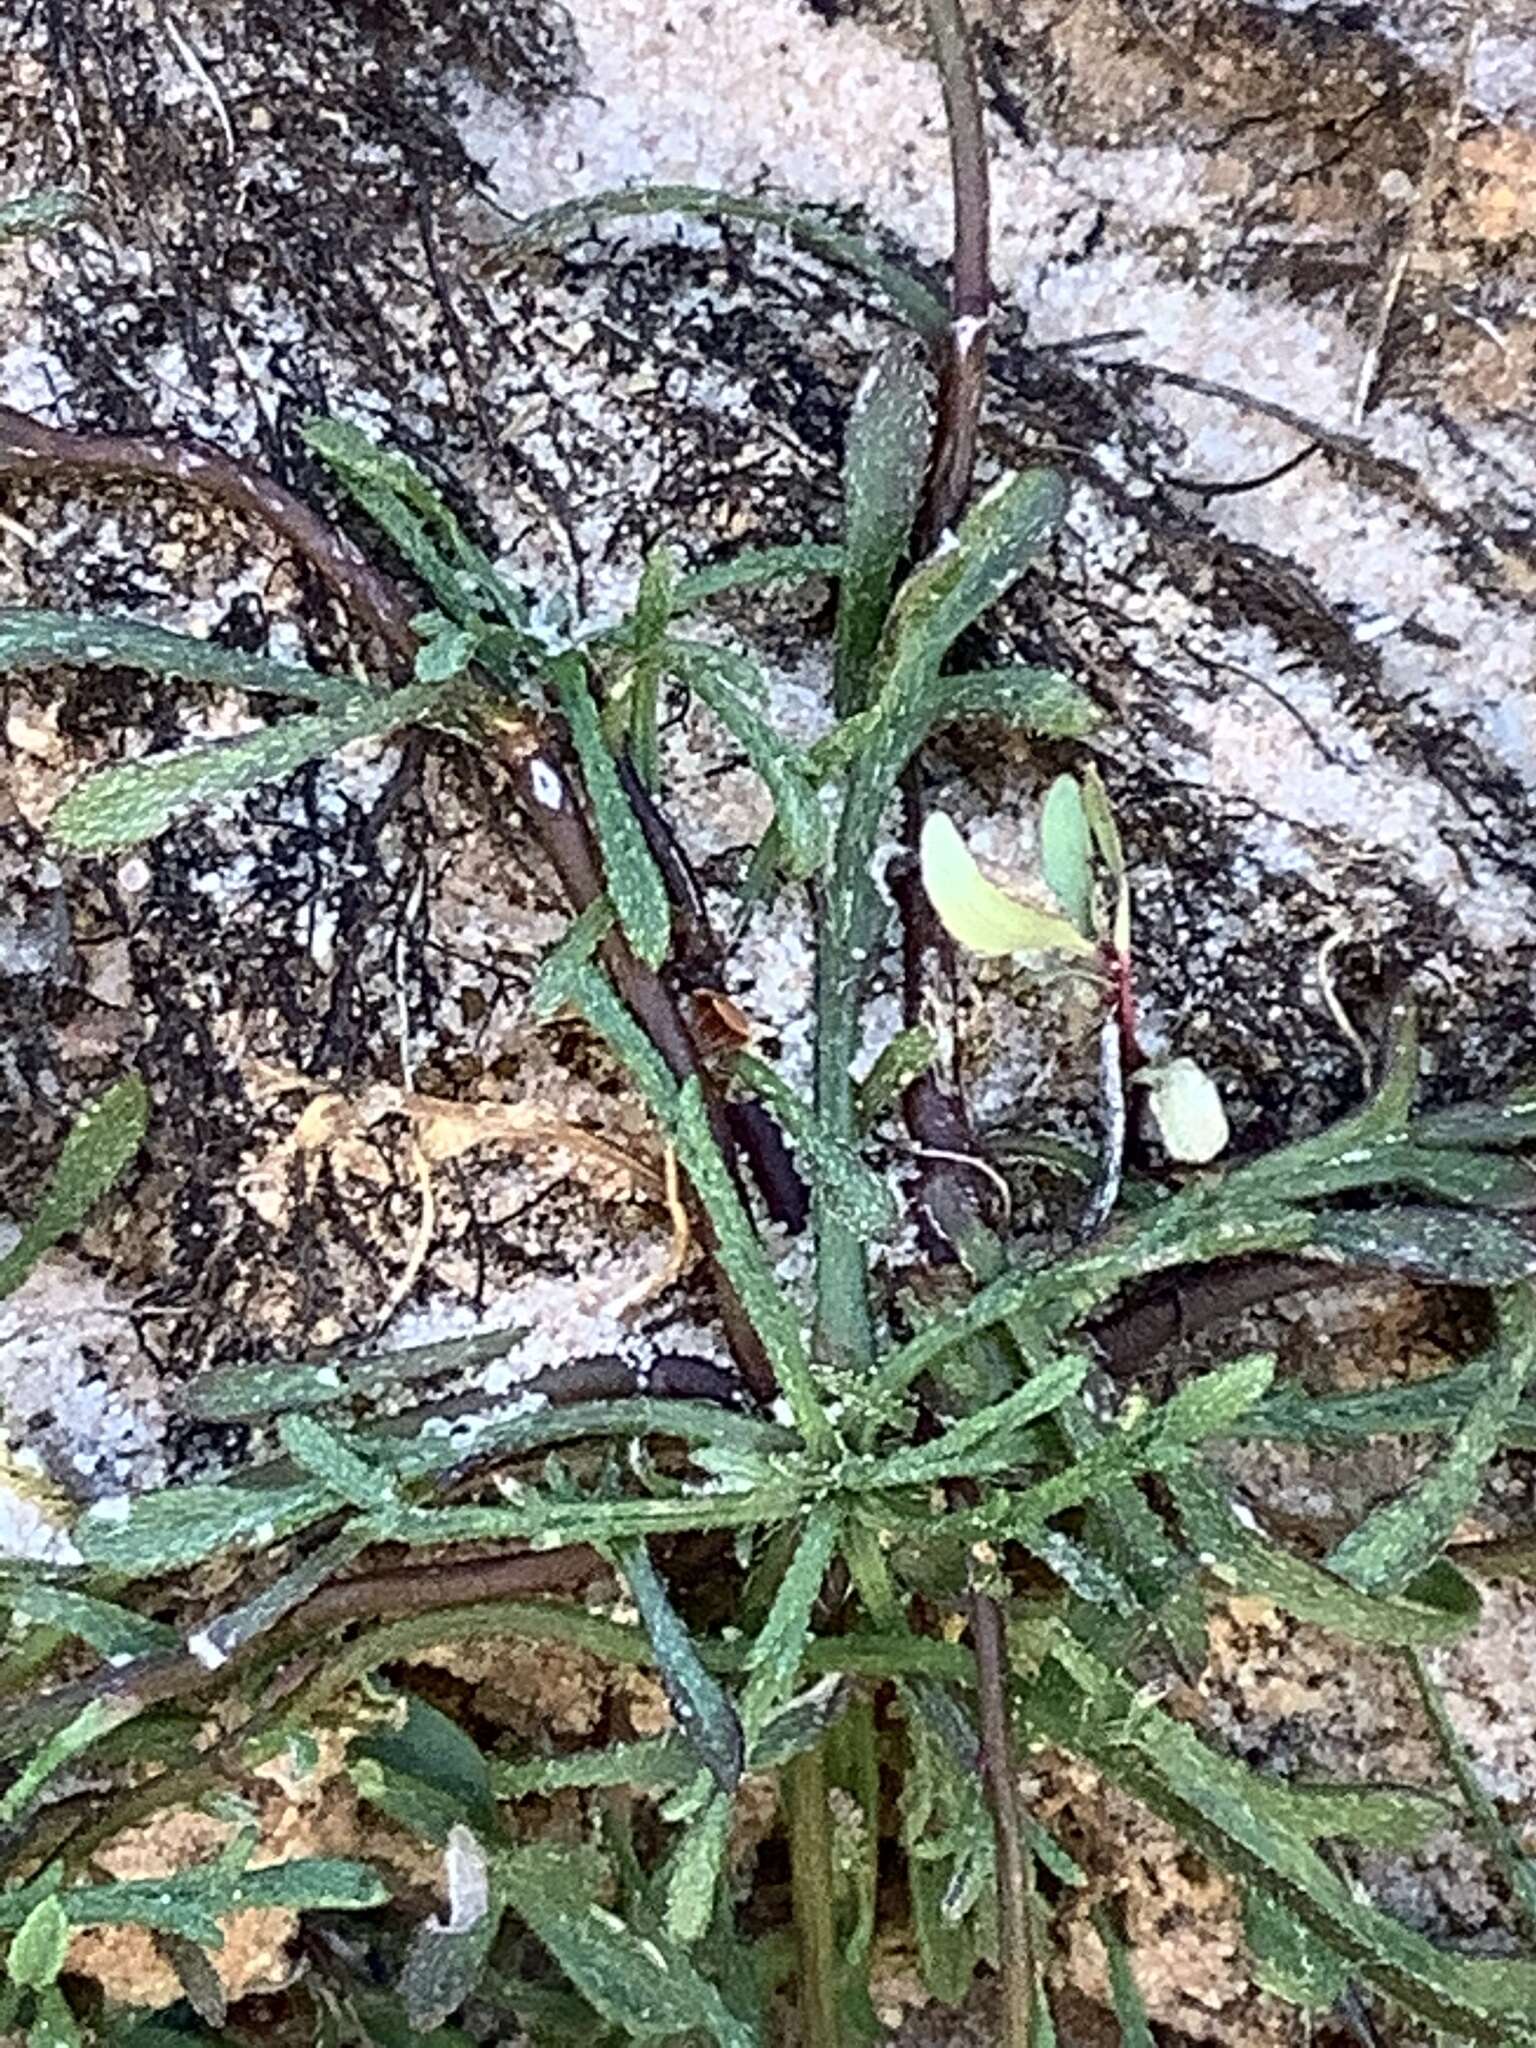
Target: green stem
[[810, 1863]]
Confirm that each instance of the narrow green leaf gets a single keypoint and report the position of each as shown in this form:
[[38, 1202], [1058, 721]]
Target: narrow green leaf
[[814, 231], [741, 1255], [965, 576], [573, 949], [702, 1708], [654, 606], [535, 1516], [323, 1454], [941, 597], [999, 1425], [446, 654], [907, 1055], [191, 1902], [1209, 1404], [135, 800], [803, 1723], [1405, 1535], [276, 1599], [1429, 1406], [1125, 1994], [1083, 1571], [656, 599], [1066, 851], [1099, 817], [34, 639], [1432, 1611], [750, 567], [1290, 1961], [775, 1657], [182, 1525], [95, 1719], [245, 1393], [1376, 1816], [720, 679], [1220, 1808], [592, 997], [1511, 1121], [1300, 1171], [42, 212], [1480, 1180], [1160, 1441], [644, 1984], [947, 1834], [53, 2022], [1041, 701], [884, 463], [110, 1630], [852, 1190], [404, 505], [635, 887], [421, 1809], [655, 1764], [39, 1945], [1186, 1230], [695, 1868], [1453, 1247], [101, 1142]]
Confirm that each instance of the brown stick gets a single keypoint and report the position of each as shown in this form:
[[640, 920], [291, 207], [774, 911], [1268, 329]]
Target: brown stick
[[1130, 1337], [949, 1196], [962, 376], [542, 783], [1017, 1966]]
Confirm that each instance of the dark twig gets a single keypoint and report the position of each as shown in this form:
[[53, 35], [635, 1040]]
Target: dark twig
[[950, 1198], [412, 1588], [534, 757], [1236, 488], [962, 376], [1015, 1884], [170, 1675], [1130, 1337]]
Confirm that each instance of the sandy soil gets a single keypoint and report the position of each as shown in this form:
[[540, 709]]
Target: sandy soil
[[1299, 571]]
